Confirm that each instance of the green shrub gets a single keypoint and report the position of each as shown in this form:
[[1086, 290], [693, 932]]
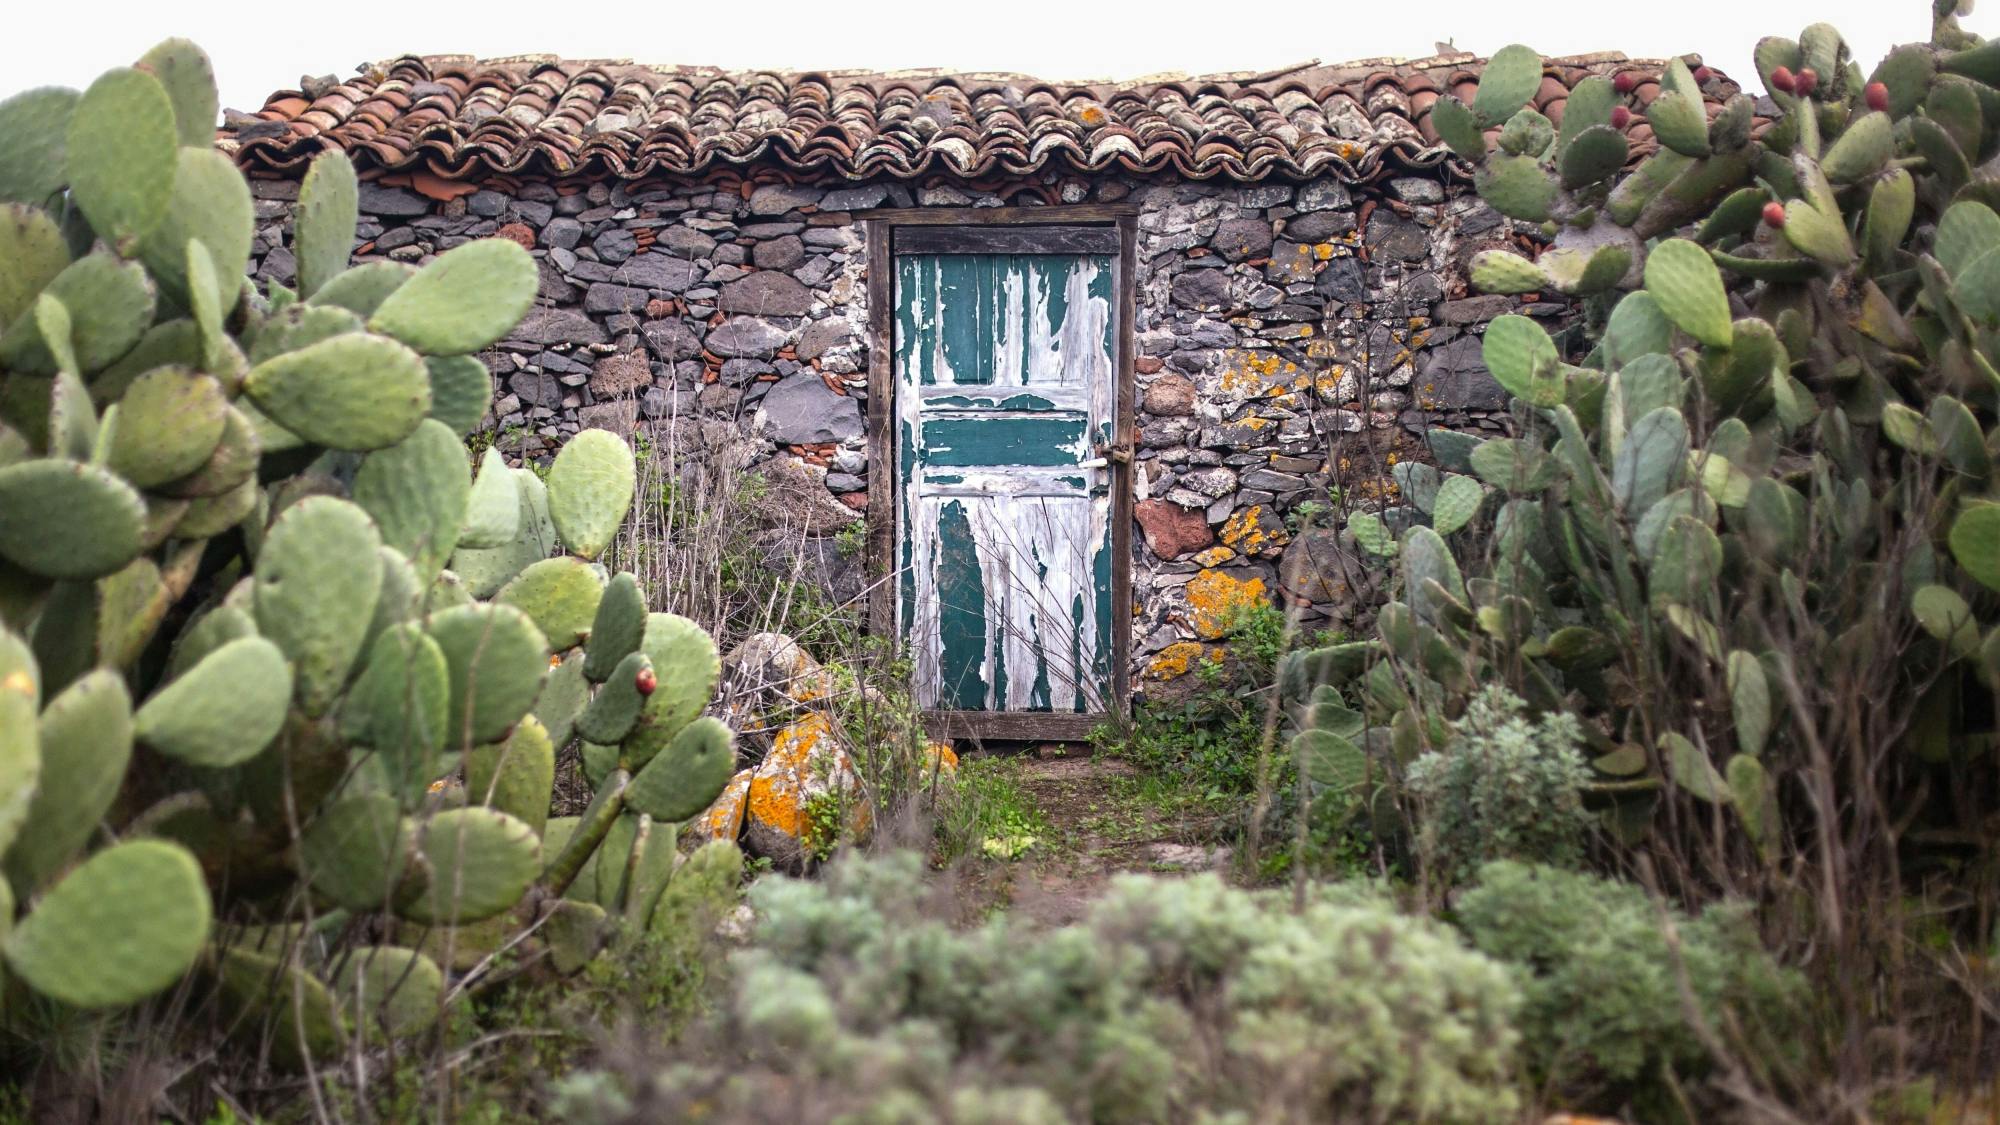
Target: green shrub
[[1172, 1000], [1503, 788], [1603, 1016]]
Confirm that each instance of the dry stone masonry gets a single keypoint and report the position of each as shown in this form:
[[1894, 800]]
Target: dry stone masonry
[[1292, 339]]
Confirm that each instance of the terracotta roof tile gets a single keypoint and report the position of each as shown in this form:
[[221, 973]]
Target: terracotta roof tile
[[456, 117]]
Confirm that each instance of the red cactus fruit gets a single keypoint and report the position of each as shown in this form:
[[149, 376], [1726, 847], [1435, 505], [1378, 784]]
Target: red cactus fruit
[[1877, 95], [1782, 80], [645, 681], [1807, 81], [1624, 81], [1774, 214], [1620, 117], [1702, 74]]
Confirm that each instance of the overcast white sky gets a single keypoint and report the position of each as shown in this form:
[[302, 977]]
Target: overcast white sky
[[263, 46]]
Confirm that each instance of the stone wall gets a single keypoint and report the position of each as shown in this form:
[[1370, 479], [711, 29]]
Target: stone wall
[[1291, 338]]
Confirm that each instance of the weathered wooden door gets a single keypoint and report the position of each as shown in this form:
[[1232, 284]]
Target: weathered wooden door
[[1005, 364]]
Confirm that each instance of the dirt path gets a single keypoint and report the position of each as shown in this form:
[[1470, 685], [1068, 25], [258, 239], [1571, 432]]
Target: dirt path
[[1106, 819]]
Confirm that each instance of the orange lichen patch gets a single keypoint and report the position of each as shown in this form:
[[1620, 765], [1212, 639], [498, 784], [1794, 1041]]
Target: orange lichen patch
[[1216, 597], [1323, 250], [1252, 531], [777, 789], [807, 764], [1247, 372], [1178, 659], [723, 820], [1214, 556], [1090, 116], [939, 757]]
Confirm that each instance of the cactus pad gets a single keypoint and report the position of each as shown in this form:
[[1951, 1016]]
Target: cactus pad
[[1682, 278], [67, 520], [497, 660], [398, 705], [416, 491], [1680, 123], [493, 509], [323, 222], [32, 254], [514, 776], [363, 289], [1517, 187], [121, 927], [358, 851], [356, 392], [86, 741], [485, 572], [110, 305], [210, 205], [122, 150], [1502, 271], [231, 465], [184, 71], [481, 863], [611, 716], [390, 989], [170, 421], [281, 1001], [225, 709], [34, 132], [1594, 154], [1457, 501], [590, 490], [1332, 762], [682, 779], [466, 299], [1975, 543], [461, 391], [1863, 148], [686, 665], [1519, 353], [1457, 126], [1509, 79], [318, 577], [563, 698], [619, 627], [561, 596]]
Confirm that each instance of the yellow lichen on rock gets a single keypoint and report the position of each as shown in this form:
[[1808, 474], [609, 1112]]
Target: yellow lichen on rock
[[1254, 531], [807, 763], [723, 819], [1179, 659], [1214, 556], [1215, 598]]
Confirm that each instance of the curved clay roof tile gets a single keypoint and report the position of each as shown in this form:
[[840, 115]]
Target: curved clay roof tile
[[457, 116]]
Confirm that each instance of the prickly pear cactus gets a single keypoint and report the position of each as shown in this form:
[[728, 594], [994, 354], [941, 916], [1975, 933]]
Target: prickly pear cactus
[[281, 476], [1793, 347]]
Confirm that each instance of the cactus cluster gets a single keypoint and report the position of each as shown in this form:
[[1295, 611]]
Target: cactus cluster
[[256, 606], [1795, 357]]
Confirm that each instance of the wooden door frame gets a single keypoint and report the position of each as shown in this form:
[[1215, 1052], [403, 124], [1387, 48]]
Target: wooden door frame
[[882, 483]]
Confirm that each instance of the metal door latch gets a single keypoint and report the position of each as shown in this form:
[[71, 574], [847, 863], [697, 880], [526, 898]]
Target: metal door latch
[[1103, 456]]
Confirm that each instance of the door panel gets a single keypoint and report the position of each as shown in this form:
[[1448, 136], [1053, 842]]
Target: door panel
[[1005, 386]]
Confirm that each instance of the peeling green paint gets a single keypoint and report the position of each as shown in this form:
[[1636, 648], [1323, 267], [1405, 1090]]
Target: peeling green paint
[[1005, 587]]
